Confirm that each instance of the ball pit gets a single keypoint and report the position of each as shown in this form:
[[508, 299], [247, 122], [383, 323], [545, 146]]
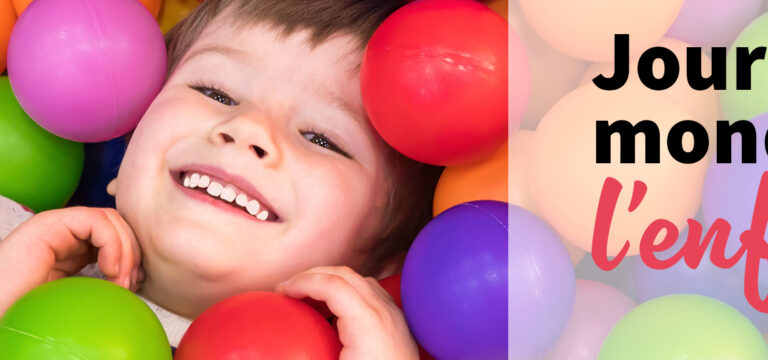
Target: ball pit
[[684, 326], [413, 87], [32, 157], [81, 318], [89, 90], [259, 325]]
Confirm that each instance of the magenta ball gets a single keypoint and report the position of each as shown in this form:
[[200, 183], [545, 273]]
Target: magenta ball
[[86, 70], [713, 22], [596, 308]]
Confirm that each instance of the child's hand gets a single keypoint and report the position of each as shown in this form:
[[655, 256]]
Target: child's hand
[[370, 324], [59, 243]]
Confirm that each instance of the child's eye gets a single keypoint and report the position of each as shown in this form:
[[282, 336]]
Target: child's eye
[[215, 94], [321, 140]]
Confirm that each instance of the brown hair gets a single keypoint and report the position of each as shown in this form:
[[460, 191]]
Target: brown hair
[[409, 205]]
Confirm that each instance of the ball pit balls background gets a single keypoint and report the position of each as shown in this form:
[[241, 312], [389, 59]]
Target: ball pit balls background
[[498, 92]]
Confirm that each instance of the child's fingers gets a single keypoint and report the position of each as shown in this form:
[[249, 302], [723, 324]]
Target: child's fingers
[[360, 284], [342, 299], [130, 256]]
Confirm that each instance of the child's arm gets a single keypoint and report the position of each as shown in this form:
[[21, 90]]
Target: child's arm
[[370, 324], [58, 243]]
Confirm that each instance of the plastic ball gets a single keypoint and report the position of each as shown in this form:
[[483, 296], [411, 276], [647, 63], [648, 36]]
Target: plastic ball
[[153, 6], [32, 157], [455, 278], [746, 104], [713, 22], [485, 179], [86, 70], [566, 182], [726, 285], [20, 5], [553, 74], [102, 161], [684, 327], [7, 21], [259, 325], [415, 87], [596, 309], [586, 29], [174, 11], [81, 318]]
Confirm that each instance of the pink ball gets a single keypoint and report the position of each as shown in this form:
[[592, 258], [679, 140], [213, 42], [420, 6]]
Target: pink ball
[[86, 70], [596, 308]]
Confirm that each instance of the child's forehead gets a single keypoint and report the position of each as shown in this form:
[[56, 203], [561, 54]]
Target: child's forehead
[[262, 39]]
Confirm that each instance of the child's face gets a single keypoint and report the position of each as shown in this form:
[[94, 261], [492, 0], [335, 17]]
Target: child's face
[[261, 134]]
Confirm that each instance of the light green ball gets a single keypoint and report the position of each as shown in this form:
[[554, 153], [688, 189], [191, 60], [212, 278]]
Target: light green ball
[[39, 170], [677, 327], [746, 104], [81, 318]]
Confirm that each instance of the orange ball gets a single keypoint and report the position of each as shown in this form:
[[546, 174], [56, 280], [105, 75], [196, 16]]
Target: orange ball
[[566, 182], [482, 180], [7, 20], [20, 5], [153, 6], [585, 29]]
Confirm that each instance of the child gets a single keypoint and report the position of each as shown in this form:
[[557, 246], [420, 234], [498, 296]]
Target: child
[[255, 168]]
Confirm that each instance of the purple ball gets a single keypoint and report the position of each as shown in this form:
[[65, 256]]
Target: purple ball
[[713, 22], [86, 70], [455, 284]]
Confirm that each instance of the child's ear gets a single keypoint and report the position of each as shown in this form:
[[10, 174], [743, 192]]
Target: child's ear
[[391, 266], [112, 187]]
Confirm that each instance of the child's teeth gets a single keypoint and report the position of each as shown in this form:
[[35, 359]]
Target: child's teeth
[[194, 180], [252, 207], [214, 189], [228, 194], [241, 200], [204, 182]]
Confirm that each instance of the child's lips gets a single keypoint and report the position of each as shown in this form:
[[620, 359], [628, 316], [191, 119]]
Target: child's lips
[[213, 187]]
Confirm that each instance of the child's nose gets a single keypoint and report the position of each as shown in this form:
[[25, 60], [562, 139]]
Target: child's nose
[[250, 133]]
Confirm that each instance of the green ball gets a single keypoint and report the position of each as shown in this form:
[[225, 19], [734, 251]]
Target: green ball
[[684, 327], [746, 104], [39, 170], [81, 318]]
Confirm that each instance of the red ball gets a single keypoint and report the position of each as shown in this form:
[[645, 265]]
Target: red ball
[[392, 285], [434, 81], [259, 325]]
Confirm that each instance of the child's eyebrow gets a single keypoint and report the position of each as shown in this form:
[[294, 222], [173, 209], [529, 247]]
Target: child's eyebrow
[[226, 51]]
